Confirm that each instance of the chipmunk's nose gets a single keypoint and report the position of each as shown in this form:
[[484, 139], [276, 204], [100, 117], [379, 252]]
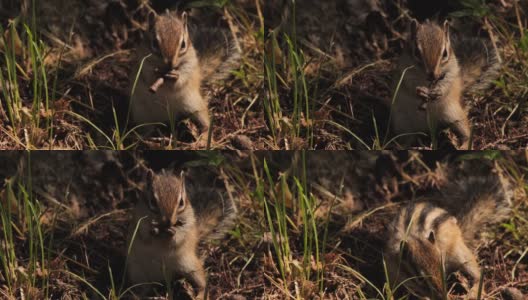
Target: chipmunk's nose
[[164, 223], [431, 76], [161, 225]]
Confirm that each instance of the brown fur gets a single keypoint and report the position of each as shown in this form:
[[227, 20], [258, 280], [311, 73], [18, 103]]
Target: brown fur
[[170, 30], [438, 82], [476, 200], [479, 62], [170, 230], [442, 231], [445, 110], [431, 40], [217, 52], [168, 191], [179, 96]]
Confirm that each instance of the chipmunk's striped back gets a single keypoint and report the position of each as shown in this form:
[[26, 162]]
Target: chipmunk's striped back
[[418, 238], [419, 220], [476, 200], [428, 240]]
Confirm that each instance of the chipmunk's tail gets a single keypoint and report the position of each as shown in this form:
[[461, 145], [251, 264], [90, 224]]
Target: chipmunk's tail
[[479, 63], [215, 213], [217, 53], [477, 196]]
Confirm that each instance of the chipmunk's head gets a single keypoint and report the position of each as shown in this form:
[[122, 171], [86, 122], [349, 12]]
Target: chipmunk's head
[[171, 37], [431, 45], [168, 203], [420, 263]]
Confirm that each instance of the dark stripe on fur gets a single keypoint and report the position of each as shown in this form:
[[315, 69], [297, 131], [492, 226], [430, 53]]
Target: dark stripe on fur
[[439, 221], [428, 208], [408, 214]]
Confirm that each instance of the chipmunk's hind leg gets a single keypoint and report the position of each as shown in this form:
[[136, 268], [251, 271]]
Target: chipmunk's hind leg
[[462, 130], [193, 271], [464, 260], [196, 107], [455, 117], [202, 119]]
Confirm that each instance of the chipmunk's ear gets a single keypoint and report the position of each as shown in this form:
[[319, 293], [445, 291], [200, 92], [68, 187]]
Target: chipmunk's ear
[[152, 19], [184, 19], [182, 178], [431, 237], [446, 30], [414, 29], [149, 176], [149, 179], [185, 40], [183, 193]]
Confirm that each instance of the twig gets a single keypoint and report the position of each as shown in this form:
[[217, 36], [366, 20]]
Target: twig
[[155, 86], [493, 39]]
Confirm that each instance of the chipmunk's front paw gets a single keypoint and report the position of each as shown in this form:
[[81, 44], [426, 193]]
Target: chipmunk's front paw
[[173, 74], [423, 92], [434, 94], [427, 95]]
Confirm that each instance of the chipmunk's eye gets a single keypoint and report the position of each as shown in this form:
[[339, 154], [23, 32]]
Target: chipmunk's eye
[[183, 47], [445, 55], [181, 203], [153, 204], [154, 46], [416, 51], [431, 238]]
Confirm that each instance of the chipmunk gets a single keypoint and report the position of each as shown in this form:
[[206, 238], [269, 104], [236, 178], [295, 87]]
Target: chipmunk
[[442, 69], [172, 220], [178, 58], [441, 232]]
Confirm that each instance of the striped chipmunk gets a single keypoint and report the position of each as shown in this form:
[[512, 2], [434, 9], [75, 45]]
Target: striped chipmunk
[[174, 62], [442, 68], [172, 219], [435, 237]]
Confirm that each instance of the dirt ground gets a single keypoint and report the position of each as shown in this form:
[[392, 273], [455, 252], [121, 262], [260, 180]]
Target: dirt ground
[[85, 201]]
